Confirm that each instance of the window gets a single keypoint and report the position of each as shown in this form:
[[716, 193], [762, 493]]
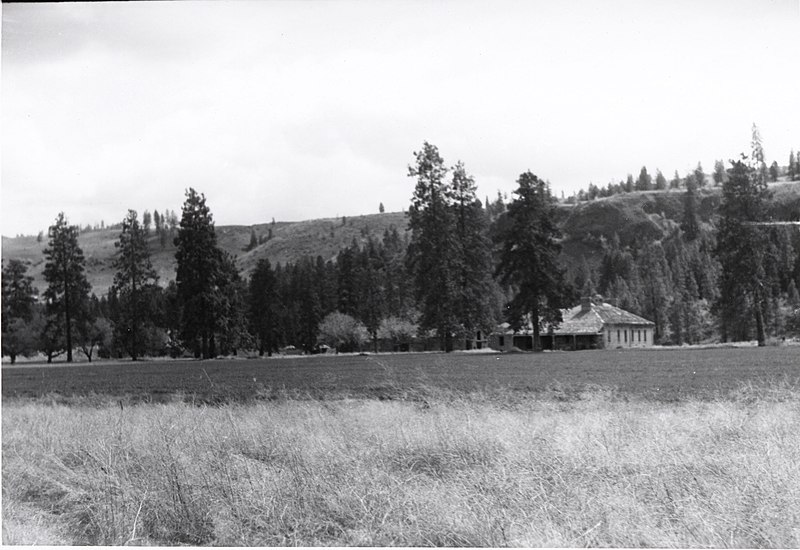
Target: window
[[639, 335], [609, 336], [501, 341], [617, 336], [626, 336], [645, 335]]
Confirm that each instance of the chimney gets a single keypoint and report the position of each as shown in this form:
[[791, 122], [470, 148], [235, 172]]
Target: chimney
[[586, 304]]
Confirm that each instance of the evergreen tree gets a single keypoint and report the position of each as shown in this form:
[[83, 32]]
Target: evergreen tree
[[347, 284], [134, 285], [232, 295], [690, 224], [431, 253], [675, 183], [307, 304], [774, 171], [473, 255], [18, 299], [629, 184], [370, 279], [719, 173], [264, 306], [794, 166], [656, 287], [741, 249], [529, 251], [68, 289], [253, 240], [380, 208], [198, 275], [146, 220], [699, 176], [644, 182], [661, 181]]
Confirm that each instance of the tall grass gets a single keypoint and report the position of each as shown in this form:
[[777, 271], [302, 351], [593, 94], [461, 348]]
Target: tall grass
[[476, 472]]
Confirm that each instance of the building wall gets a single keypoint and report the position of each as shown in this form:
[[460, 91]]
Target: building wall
[[627, 336]]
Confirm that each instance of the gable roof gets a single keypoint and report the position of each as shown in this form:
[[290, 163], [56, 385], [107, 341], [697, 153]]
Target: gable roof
[[592, 321]]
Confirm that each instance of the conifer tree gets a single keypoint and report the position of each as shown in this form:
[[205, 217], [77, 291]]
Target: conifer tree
[[719, 173], [198, 275], [675, 183], [644, 182], [656, 287], [18, 299], [264, 307], [699, 176], [473, 255], [431, 253], [253, 240], [629, 184], [134, 285], [744, 289], [68, 289], [690, 224], [661, 181], [529, 251]]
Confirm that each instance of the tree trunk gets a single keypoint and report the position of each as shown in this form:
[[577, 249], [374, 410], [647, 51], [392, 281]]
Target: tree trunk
[[13, 358], [760, 336], [537, 344], [67, 317]]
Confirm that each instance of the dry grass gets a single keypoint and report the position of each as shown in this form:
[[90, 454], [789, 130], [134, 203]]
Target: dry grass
[[468, 471]]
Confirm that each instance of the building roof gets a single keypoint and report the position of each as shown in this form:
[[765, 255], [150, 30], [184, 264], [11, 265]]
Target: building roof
[[591, 321]]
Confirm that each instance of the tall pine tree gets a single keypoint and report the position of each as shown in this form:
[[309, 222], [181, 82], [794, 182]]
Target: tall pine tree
[[744, 290], [197, 275], [432, 252], [135, 286], [529, 257], [68, 290], [473, 255]]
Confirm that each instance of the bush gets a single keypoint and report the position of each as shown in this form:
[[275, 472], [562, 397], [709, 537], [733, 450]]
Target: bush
[[342, 332]]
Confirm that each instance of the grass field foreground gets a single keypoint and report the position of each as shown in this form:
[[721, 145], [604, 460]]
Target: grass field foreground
[[596, 471]]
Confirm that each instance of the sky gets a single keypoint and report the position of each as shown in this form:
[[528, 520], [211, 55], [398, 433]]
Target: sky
[[296, 110]]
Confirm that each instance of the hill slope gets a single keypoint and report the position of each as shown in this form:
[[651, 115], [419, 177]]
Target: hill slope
[[290, 241], [634, 217]]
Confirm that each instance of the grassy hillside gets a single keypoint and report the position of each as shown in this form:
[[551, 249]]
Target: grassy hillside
[[634, 217], [290, 241]]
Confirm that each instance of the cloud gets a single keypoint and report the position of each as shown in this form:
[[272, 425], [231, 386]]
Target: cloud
[[298, 110]]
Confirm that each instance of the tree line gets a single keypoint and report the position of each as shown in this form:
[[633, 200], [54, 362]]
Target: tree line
[[695, 179], [463, 267]]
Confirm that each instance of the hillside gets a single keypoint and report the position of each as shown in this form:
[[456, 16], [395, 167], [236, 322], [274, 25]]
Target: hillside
[[634, 217], [290, 241]]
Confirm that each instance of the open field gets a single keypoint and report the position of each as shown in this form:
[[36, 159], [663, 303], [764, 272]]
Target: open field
[[663, 375], [686, 448], [542, 472]]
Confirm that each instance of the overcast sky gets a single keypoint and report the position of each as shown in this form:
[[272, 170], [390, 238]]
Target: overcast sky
[[298, 110]]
